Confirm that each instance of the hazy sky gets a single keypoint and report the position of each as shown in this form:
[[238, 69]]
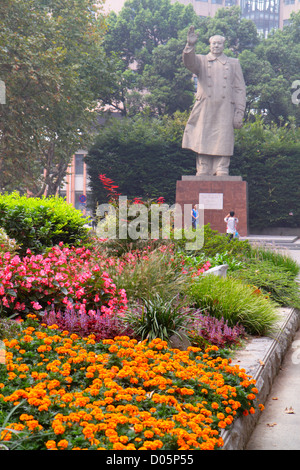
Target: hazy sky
[[115, 5]]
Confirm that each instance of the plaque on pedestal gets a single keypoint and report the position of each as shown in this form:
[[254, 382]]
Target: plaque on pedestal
[[218, 195]]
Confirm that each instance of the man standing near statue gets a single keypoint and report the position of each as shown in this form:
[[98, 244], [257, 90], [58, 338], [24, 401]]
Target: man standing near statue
[[219, 107]]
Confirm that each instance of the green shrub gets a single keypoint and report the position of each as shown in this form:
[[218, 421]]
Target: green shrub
[[40, 223], [234, 301]]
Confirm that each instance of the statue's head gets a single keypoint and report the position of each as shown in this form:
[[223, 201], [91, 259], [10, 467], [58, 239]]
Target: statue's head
[[216, 44]]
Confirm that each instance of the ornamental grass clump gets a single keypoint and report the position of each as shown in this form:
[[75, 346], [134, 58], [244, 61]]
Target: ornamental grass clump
[[276, 281], [61, 392], [156, 318], [151, 272], [234, 301]]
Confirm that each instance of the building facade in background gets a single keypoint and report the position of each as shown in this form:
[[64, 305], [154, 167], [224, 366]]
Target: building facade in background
[[76, 189], [266, 14]]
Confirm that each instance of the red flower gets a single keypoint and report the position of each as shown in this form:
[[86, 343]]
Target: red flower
[[110, 186], [161, 200]]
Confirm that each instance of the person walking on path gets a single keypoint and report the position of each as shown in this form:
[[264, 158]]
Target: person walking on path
[[195, 216], [231, 222]]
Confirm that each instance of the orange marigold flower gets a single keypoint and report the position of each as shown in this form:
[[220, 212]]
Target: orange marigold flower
[[138, 428], [251, 396], [63, 444], [51, 445], [222, 424]]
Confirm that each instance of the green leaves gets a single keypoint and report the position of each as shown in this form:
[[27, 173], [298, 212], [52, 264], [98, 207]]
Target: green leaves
[[146, 34], [54, 73], [40, 223]]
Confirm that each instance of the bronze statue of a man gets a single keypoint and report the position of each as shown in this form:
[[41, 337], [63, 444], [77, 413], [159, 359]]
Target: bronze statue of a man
[[219, 107]]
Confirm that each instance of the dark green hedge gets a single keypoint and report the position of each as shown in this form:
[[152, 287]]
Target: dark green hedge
[[268, 158]]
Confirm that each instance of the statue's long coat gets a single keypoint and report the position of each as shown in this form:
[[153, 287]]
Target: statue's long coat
[[220, 91]]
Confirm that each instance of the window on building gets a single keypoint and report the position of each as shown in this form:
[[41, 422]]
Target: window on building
[[264, 13], [79, 164]]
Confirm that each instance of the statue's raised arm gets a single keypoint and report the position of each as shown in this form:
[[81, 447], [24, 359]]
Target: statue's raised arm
[[192, 37]]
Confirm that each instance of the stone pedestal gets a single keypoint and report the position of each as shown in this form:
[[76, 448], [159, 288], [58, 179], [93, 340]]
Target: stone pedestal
[[219, 195]]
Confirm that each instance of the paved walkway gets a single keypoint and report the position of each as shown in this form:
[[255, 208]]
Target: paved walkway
[[279, 425]]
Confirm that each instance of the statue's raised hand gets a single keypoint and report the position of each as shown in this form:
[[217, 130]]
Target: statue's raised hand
[[192, 37]]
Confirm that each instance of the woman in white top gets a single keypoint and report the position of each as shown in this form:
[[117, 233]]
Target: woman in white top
[[231, 222]]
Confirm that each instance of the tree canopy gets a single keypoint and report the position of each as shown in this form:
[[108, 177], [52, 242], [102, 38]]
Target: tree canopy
[[53, 65], [63, 61], [145, 43]]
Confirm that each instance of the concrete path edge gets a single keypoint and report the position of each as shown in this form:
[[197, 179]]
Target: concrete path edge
[[237, 436]]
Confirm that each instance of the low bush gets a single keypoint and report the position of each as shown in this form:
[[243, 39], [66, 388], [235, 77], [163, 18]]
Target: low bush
[[279, 258], [83, 324], [201, 260], [205, 329], [215, 243], [41, 223], [234, 301]]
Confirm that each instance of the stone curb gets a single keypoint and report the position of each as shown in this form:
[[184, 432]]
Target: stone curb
[[261, 358]]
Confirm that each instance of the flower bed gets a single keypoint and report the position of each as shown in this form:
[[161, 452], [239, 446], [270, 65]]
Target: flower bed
[[59, 391], [63, 277]]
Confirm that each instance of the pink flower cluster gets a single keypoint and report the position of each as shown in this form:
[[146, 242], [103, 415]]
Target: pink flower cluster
[[203, 268], [63, 277]]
